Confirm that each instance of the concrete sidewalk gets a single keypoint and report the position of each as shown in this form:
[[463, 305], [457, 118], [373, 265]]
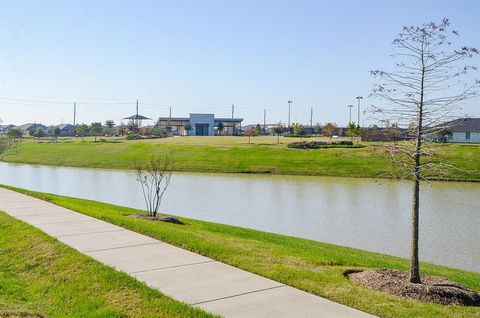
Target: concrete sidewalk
[[180, 274]]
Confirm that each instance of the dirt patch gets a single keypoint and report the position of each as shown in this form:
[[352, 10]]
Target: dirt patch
[[432, 289], [163, 218], [18, 314]]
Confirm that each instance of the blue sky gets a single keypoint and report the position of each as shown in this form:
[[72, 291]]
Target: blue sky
[[203, 56]]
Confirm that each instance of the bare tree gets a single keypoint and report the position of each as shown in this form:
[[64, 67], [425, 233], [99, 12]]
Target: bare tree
[[422, 93], [7, 145], [154, 176], [250, 133], [278, 129]]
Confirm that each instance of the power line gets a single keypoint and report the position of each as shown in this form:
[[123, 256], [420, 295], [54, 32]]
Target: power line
[[57, 102]]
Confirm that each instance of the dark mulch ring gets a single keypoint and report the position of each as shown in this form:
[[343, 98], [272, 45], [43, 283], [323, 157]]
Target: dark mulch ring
[[163, 218], [432, 289]]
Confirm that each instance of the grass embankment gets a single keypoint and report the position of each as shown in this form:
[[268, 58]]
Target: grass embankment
[[41, 277], [312, 266], [234, 155]]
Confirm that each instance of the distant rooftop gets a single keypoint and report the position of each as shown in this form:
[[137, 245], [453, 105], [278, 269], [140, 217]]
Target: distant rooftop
[[464, 124]]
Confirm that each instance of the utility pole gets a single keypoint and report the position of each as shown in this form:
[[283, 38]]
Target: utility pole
[[137, 124], [264, 121], [311, 118], [169, 116], [350, 120], [359, 98], [74, 113], [233, 111], [289, 102]]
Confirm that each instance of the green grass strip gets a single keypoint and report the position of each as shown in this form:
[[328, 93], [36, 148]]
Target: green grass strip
[[308, 265], [41, 277], [234, 155]]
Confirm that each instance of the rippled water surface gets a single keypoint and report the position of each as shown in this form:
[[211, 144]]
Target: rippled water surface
[[361, 213]]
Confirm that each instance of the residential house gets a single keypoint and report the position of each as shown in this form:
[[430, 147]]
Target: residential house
[[66, 129], [465, 130], [5, 129], [27, 128]]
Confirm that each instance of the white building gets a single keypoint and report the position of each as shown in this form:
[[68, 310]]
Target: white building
[[465, 131], [201, 125]]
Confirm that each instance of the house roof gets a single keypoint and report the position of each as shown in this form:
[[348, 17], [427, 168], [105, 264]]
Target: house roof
[[66, 127], [31, 126], [5, 127], [464, 124]]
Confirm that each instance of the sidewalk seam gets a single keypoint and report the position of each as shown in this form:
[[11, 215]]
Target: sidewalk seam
[[116, 248], [66, 235], [237, 295], [174, 266]]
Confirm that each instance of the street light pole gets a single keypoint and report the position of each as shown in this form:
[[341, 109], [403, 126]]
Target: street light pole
[[350, 107], [359, 98], [289, 102]]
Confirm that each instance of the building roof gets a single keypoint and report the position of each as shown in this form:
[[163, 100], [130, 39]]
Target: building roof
[[188, 119], [229, 119], [174, 118], [31, 126], [66, 127], [464, 124]]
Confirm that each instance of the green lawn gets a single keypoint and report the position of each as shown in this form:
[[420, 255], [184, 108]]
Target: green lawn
[[233, 155], [312, 266], [41, 277]]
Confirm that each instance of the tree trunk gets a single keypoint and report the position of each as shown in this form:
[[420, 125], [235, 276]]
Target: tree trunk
[[414, 266]]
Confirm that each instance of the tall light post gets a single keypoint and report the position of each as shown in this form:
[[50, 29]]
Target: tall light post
[[350, 107], [359, 98], [289, 102]]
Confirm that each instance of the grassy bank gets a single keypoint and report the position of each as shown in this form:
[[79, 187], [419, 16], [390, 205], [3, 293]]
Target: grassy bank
[[41, 277], [233, 155], [312, 266]]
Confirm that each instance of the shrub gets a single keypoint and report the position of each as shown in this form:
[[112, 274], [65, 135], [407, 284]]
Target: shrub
[[318, 144], [307, 144], [297, 136], [131, 136], [343, 142]]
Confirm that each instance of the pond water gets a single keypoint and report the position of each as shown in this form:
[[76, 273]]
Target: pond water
[[361, 213]]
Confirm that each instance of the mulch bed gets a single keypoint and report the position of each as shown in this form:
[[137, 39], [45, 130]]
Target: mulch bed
[[163, 218], [432, 289]]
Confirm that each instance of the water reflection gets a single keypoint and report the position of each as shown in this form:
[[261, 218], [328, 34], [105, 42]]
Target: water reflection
[[361, 213]]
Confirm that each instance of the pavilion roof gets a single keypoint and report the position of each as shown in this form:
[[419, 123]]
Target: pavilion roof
[[139, 117]]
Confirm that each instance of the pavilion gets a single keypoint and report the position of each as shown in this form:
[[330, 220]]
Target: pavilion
[[137, 119]]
